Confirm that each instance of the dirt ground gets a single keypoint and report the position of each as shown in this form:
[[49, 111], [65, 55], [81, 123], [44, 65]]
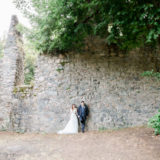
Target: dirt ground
[[124, 144]]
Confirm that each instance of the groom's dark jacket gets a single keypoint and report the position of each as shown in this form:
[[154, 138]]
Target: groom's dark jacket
[[83, 115]]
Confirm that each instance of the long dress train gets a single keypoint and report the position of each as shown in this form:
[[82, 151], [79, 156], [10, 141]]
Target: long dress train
[[72, 125]]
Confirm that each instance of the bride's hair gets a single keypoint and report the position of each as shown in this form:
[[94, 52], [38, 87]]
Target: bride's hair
[[73, 106]]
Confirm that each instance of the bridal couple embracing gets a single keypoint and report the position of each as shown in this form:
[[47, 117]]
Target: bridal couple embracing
[[80, 114]]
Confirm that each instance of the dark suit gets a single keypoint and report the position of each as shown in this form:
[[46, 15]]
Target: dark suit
[[83, 113]]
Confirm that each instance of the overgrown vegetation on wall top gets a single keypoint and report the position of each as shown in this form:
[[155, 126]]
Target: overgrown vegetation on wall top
[[63, 25]]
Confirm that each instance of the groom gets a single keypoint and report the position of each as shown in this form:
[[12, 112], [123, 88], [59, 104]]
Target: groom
[[82, 114]]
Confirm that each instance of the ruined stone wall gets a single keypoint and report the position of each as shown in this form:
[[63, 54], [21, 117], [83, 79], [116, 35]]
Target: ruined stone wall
[[11, 74], [109, 82], [117, 95]]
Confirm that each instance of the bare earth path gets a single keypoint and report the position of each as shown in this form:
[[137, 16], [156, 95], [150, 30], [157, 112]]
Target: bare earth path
[[124, 144]]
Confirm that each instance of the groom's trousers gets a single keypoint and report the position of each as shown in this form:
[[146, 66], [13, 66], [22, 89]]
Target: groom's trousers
[[83, 126]]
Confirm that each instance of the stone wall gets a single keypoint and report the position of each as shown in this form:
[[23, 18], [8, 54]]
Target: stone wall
[[10, 74], [116, 93], [109, 82]]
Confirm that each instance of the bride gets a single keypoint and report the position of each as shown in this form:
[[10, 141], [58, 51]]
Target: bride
[[72, 125]]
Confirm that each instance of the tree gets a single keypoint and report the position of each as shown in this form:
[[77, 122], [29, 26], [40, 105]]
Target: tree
[[63, 25]]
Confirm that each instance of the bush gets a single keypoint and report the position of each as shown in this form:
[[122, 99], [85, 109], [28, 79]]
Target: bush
[[154, 122]]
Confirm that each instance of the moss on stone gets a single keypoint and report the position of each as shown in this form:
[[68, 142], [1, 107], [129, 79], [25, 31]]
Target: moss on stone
[[15, 90]]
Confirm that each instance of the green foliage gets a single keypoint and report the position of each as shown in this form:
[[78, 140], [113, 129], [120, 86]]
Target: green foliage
[[154, 122], [59, 70], [1, 51], [30, 59], [29, 69], [2, 43], [60, 25], [30, 54], [21, 28], [151, 74]]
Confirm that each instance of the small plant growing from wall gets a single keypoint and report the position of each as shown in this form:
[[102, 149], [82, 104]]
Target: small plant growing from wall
[[2, 43], [30, 59], [29, 68], [154, 122], [151, 74]]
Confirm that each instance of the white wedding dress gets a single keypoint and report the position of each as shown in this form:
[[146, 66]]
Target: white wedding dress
[[72, 125]]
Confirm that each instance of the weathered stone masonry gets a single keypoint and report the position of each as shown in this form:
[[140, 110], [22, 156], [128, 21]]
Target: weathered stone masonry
[[11, 73], [112, 87], [117, 95]]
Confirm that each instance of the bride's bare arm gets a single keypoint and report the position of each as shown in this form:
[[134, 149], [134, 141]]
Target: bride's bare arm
[[76, 112]]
